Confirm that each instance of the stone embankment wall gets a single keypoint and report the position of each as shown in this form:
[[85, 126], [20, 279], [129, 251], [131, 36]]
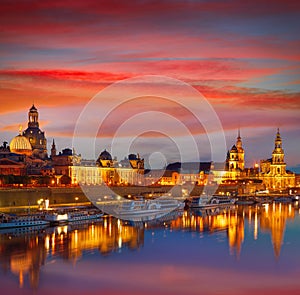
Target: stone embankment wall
[[73, 195], [31, 196]]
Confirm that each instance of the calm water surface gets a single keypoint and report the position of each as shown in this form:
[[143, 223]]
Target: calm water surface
[[242, 250]]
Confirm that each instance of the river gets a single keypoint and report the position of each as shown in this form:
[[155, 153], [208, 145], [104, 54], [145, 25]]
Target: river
[[237, 250]]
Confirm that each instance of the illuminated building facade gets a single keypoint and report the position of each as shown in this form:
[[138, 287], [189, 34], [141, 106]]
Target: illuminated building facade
[[234, 167], [106, 170]]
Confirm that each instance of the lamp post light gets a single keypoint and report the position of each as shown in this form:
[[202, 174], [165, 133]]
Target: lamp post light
[[40, 202]]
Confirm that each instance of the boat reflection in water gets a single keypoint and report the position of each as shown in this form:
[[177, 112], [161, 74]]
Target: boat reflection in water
[[24, 254]]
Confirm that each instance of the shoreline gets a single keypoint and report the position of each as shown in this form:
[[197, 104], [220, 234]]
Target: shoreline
[[32, 196]]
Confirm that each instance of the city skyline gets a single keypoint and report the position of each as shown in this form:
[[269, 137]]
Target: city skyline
[[243, 58]]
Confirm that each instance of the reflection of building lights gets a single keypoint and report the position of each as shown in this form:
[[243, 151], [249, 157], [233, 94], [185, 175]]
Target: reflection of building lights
[[120, 242], [53, 242], [110, 229], [267, 208], [47, 242], [255, 226], [76, 237]]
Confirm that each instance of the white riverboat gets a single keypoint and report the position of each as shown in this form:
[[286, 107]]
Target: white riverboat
[[56, 218], [144, 210], [206, 201], [11, 221]]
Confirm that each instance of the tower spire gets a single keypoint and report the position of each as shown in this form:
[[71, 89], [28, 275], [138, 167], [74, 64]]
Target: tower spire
[[53, 149], [239, 143]]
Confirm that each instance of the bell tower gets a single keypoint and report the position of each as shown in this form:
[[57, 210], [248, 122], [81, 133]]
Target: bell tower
[[236, 155], [35, 136], [278, 153], [241, 152], [278, 165], [33, 117]]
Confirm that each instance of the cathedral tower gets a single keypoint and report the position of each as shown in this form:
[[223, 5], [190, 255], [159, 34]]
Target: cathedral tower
[[236, 159], [35, 136], [241, 152], [278, 166], [273, 171], [33, 117]]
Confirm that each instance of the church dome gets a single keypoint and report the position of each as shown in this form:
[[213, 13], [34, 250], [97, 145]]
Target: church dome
[[20, 145], [105, 155]]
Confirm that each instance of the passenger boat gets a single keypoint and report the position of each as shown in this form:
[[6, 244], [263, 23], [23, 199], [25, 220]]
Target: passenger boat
[[206, 201], [245, 201], [145, 210], [10, 221], [84, 215], [72, 216], [56, 218], [283, 199]]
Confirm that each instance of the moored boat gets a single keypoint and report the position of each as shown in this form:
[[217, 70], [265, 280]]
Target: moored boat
[[245, 201], [72, 216], [144, 210], [56, 218], [295, 198], [210, 201], [263, 200], [10, 221], [283, 199], [83, 215]]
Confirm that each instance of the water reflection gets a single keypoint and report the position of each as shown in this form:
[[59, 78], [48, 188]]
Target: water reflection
[[23, 254]]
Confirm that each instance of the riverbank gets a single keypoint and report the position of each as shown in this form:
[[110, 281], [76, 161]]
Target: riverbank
[[30, 197], [27, 197]]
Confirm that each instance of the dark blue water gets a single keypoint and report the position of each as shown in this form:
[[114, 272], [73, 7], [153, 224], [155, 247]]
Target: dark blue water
[[244, 250]]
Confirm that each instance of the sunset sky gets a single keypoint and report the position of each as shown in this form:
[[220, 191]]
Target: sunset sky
[[242, 56]]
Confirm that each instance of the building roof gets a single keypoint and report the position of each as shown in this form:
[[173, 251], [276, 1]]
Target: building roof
[[33, 108], [105, 155], [189, 167], [234, 148], [20, 145]]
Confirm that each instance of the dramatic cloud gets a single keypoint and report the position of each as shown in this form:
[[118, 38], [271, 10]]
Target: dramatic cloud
[[243, 57]]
